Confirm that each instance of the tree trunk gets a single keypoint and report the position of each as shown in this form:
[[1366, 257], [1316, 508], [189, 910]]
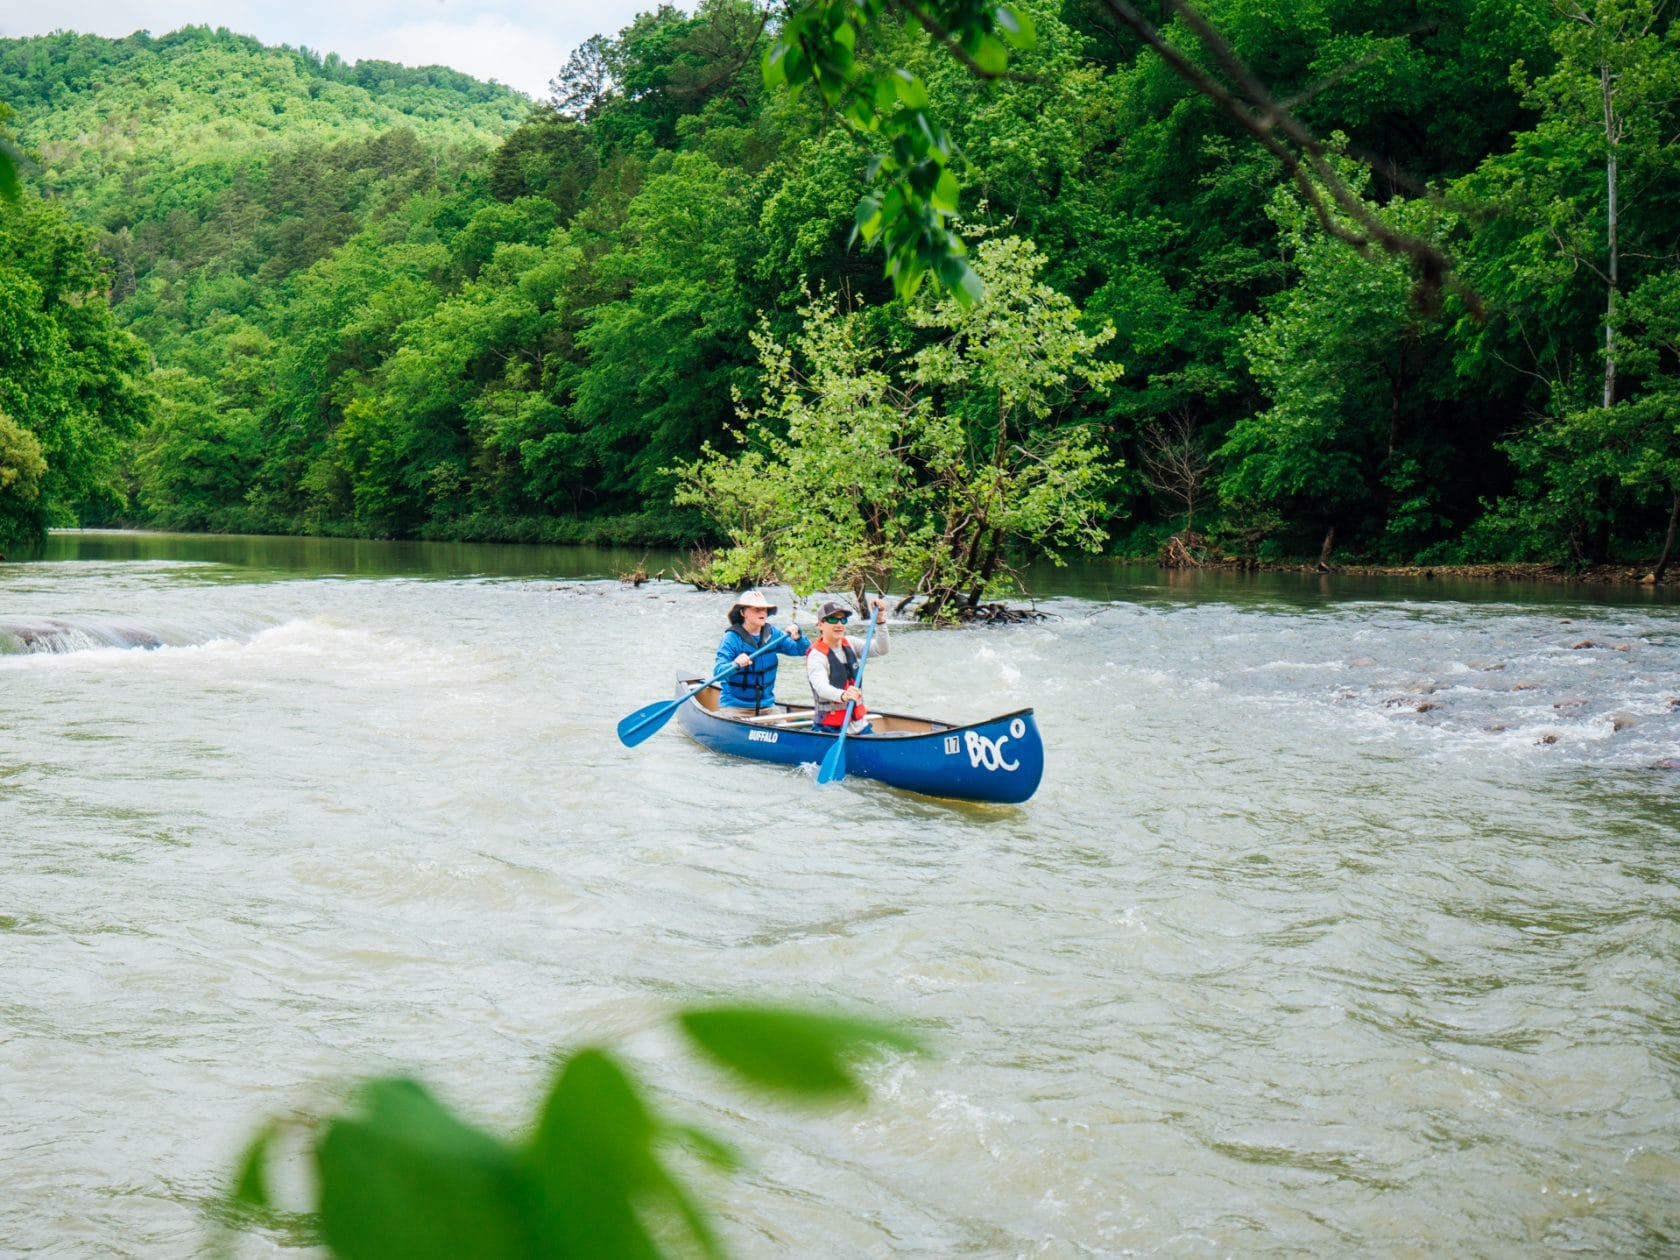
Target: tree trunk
[[988, 566], [1668, 543], [1324, 551], [1612, 138], [1396, 393], [968, 564], [1599, 542]]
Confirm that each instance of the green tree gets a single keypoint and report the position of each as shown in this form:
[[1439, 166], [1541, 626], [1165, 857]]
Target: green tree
[[69, 377], [937, 472], [660, 358], [915, 190], [549, 156], [194, 461], [822, 493], [22, 467], [913, 167], [1616, 69], [1632, 447], [1010, 472], [635, 90], [1349, 365], [9, 155], [1578, 213], [413, 442], [340, 321], [1652, 352], [422, 351], [526, 220]]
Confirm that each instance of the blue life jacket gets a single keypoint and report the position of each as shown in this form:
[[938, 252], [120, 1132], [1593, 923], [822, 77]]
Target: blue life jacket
[[755, 686]]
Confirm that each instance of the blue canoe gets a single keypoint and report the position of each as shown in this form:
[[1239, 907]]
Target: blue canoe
[[999, 760]]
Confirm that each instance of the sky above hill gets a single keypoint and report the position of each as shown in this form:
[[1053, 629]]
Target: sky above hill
[[517, 42]]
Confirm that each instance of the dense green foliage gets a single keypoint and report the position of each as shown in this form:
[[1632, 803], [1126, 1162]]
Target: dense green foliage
[[928, 475], [380, 303], [71, 381], [398, 1176]]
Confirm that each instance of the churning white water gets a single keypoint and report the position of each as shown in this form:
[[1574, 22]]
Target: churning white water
[[1345, 921]]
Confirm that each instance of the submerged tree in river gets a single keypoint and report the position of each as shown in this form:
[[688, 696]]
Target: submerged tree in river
[[1004, 475], [933, 473]]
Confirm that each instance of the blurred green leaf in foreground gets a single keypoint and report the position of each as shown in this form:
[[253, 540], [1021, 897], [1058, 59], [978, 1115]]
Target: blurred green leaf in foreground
[[400, 1177]]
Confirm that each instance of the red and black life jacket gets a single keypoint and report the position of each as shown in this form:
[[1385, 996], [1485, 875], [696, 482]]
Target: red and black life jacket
[[842, 673]]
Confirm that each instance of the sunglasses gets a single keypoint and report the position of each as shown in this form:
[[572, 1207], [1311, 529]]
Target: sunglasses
[[768, 612], [838, 619]]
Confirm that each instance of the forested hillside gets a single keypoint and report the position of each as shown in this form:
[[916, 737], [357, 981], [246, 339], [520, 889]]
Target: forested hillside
[[388, 301]]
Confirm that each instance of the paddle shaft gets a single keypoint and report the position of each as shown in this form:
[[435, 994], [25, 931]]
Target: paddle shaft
[[656, 715]]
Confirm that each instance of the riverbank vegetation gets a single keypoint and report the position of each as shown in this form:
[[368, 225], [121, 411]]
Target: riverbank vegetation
[[397, 302]]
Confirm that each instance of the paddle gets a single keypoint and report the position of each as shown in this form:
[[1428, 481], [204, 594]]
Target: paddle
[[834, 765], [647, 720]]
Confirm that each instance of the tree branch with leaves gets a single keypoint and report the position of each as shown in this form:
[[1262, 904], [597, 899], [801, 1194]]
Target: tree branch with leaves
[[912, 173]]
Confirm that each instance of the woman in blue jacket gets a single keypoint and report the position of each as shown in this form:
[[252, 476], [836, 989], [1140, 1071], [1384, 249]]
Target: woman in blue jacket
[[751, 688]]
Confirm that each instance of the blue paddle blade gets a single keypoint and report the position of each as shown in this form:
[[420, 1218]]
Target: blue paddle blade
[[834, 764], [646, 721]]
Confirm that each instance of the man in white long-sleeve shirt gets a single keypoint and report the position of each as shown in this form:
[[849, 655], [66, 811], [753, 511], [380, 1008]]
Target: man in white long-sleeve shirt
[[832, 666]]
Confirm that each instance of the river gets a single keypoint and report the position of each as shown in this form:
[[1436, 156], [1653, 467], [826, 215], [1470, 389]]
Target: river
[[1346, 920]]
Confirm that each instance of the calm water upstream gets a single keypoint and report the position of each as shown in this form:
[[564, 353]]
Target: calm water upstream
[[1347, 920]]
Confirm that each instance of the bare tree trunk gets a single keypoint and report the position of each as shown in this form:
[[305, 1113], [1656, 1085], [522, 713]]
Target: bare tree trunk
[[988, 566], [1599, 544], [1174, 464], [1396, 398], [1612, 137], [1668, 543], [969, 564], [1325, 550], [1396, 391]]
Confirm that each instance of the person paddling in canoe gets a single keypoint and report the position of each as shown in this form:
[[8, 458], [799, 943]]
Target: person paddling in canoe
[[750, 688], [831, 666]]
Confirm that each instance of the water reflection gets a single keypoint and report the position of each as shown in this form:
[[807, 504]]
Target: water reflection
[[284, 556]]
